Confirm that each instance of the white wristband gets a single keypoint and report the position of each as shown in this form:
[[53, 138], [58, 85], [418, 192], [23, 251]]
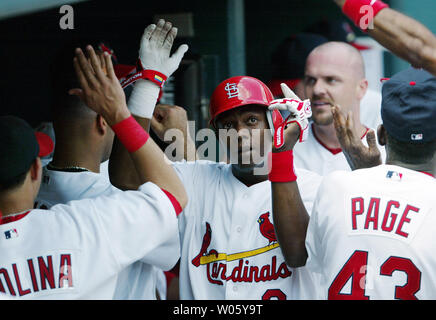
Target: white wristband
[[143, 99]]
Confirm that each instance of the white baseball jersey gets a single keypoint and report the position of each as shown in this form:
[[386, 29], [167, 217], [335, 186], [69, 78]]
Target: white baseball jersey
[[370, 109], [76, 251], [139, 280], [104, 169], [314, 156], [371, 234], [104, 166], [229, 248]]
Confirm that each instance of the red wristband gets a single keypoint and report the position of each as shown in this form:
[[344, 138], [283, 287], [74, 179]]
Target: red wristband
[[356, 11], [131, 134], [282, 167], [156, 77]]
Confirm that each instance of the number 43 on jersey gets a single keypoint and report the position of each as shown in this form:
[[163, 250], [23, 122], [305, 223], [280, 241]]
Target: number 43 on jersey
[[355, 270]]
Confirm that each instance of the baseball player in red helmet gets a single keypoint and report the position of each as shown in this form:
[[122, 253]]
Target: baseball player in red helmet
[[228, 243]]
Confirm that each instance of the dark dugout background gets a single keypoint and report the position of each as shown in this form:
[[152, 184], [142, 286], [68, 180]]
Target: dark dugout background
[[28, 43]]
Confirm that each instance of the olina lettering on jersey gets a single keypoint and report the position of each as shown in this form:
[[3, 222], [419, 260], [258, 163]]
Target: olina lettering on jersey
[[36, 275]]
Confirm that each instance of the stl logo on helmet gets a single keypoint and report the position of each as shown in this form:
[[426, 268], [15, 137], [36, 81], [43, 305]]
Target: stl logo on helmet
[[232, 90]]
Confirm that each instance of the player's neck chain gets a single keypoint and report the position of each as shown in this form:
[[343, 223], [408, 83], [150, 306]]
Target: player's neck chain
[[50, 166]]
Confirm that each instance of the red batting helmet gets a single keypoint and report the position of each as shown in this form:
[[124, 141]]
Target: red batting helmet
[[237, 92]]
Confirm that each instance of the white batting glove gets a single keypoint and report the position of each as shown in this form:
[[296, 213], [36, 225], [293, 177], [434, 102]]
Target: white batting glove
[[300, 111], [154, 54], [155, 48]]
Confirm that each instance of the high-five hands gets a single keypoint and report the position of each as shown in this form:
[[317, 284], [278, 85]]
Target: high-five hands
[[300, 112], [357, 154], [155, 48], [99, 88], [156, 65]]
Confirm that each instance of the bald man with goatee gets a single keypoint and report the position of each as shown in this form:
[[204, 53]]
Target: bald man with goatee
[[334, 76]]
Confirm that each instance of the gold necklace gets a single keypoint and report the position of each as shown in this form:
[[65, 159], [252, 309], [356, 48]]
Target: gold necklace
[[50, 166]]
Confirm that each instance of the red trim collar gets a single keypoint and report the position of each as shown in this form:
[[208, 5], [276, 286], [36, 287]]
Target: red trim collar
[[12, 218], [429, 174], [334, 151]]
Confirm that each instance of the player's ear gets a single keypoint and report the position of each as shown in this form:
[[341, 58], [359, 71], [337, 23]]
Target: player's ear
[[101, 124], [362, 88], [36, 169], [381, 135]]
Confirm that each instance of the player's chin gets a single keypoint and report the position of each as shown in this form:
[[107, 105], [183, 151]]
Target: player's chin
[[250, 158], [322, 117]]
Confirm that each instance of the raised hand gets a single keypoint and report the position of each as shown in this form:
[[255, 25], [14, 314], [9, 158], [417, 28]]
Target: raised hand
[[99, 88], [357, 154], [155, 48], [167, 117], [296, 124]]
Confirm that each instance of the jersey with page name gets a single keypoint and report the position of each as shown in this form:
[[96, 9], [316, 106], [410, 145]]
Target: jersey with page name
[[371, 234], [314, 156], [77, 250], [229, 247], [138, 281]]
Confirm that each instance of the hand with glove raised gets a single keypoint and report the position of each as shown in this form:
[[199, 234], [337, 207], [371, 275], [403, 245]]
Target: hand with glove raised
[[299, 113], [156, 64], [155, 48]]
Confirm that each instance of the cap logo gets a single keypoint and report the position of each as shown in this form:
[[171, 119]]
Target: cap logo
[[417, 136], [232, 90]]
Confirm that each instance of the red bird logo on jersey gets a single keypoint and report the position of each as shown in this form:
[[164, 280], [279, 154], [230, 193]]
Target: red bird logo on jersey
[[267, 228], [206, 242]]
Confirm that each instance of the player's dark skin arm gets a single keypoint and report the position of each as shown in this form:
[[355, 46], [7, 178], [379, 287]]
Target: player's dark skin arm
[[167, 117], [290, 216], [103, 93], [122, 172], [405, 37]]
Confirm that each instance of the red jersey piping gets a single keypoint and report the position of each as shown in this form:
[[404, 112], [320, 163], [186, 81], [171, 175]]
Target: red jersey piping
[[429, 174], [8, 219], [174, 202]]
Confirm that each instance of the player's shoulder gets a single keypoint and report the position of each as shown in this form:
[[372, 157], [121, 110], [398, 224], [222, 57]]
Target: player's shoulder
[[59, 186], [341, 178], [374, 175], [308, 177], [307, 174]]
